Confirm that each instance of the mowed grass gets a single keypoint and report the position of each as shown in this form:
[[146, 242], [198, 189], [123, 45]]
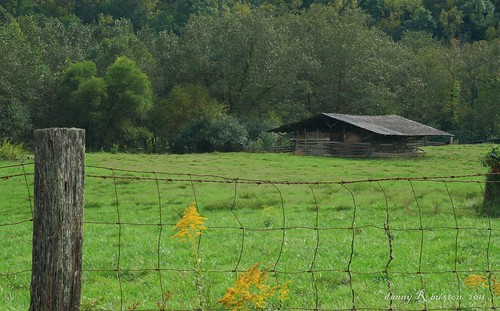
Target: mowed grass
[[328, 239]]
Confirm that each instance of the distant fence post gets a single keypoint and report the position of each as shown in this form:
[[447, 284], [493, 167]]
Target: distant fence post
[[58, 219], [491, 203]]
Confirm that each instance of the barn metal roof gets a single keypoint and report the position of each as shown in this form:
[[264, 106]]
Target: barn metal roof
[[390, 125]]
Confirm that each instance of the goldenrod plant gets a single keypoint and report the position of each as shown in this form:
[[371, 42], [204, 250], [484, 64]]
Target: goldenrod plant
[[475, 281], [481, 281], [189, 227], [251, 292], [496, 287]]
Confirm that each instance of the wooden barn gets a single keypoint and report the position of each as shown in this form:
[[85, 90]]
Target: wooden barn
[[333, 134]]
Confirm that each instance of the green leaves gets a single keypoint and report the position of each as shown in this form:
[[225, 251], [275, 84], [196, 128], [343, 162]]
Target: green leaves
[[110, 108], [129, 89], [80, 97], [492, 158], [208, 134], [23, 82], [117, 67]]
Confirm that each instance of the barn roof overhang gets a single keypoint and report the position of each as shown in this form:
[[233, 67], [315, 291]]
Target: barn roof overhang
[[387, 125]]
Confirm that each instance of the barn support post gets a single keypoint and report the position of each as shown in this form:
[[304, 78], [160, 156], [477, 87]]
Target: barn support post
[[58, 219]]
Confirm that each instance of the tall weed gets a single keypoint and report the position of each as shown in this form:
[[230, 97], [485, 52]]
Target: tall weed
[[10, 151]]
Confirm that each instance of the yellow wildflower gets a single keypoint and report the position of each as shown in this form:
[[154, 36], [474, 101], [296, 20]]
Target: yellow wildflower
[[496, 287], [191, 224], [476, 280], [283, 294], [250, 291]]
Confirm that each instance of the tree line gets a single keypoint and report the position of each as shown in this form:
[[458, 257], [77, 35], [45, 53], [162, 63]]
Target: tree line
[[206, 75]]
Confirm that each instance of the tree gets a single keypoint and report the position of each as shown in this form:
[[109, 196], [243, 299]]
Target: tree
[[397, 16], [23, 83], [478, 17], [438, 95], [162, 67], [451, 22], [360, 68], [184, 104], [79, 101], [137, 11], [118, 38], [17, 8], [128, 101], [479, 76], [55, 8], [487, 107], [58, 44], [255, 63], [111, 108]]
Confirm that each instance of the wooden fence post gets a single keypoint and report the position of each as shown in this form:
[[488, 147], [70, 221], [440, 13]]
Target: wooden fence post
[[58, 219]]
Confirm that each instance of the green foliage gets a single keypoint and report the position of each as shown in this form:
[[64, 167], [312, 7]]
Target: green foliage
[[80, 97], [79, 100], [208, 134], [128, 101], [426, 60], [396, 17], [486, 103], [492, 159], [185, 103], [10, 151], [361, 68], [23, 81], [258, 136], [119, 39], [111, 108]]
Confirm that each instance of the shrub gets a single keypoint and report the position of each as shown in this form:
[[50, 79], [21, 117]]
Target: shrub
[[10, 151], [208, 134], [492, 160]]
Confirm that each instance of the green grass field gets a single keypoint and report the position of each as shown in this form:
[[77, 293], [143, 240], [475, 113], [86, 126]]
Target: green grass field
[[308, 234]]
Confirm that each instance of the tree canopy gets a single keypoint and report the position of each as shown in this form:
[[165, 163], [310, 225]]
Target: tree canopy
[[136, 74]]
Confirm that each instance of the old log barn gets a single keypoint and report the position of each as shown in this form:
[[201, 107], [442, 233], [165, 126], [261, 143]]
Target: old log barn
[[333, 134]]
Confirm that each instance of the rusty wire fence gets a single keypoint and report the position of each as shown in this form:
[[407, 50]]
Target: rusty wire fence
[[375, 244]]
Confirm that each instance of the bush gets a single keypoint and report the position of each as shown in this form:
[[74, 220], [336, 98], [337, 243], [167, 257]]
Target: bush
[[208, 134], [10, 151], [258, 136], [492, 160]]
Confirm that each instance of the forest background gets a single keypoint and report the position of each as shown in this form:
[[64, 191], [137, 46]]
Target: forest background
[[214, 75]]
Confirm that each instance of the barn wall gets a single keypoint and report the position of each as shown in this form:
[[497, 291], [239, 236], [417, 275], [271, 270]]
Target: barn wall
[[348, 140]]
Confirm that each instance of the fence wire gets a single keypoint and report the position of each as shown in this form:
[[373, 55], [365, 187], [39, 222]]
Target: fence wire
[[307, 231]]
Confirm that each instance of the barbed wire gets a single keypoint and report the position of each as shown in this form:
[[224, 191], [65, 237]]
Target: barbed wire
[[313, 270]]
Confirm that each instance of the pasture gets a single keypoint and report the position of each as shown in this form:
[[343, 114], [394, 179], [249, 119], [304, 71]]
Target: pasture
[[344, 232]]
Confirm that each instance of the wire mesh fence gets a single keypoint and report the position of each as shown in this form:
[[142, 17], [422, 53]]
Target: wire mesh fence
[[374, 244]]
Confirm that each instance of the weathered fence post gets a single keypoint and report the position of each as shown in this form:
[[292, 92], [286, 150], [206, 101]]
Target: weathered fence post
[[491, 203], [58, 219]]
